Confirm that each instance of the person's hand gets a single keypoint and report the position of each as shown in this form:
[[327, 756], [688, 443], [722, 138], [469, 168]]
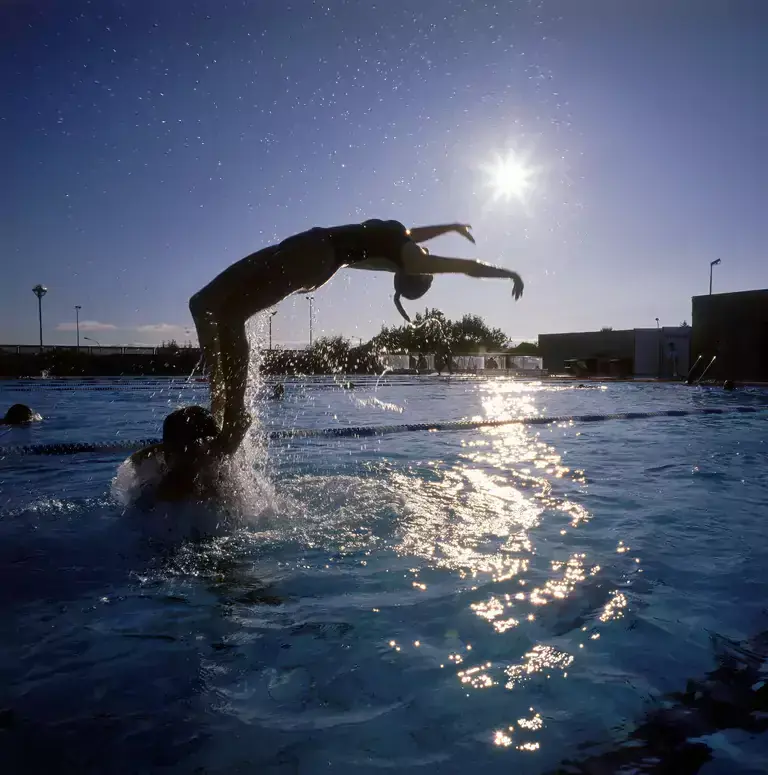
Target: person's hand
[[241, 423], [518, 285], [465, 230], [233, 431]]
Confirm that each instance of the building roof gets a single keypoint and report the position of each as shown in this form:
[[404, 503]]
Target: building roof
[[715, 296]]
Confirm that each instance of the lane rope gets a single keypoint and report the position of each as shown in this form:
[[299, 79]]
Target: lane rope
[[360, 381], [363, 431]]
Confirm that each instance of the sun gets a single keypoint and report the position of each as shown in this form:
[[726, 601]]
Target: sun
[[508, 177]]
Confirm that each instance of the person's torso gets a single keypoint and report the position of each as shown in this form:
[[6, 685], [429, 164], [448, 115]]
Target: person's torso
[[360, 241], [159, 483]]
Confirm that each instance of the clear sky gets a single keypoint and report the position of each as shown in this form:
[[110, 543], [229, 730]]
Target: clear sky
[[146, 145]]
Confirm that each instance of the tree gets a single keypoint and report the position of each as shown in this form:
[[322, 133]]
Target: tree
[[330, 353], [472, 334], [432, 332], [428, 332]]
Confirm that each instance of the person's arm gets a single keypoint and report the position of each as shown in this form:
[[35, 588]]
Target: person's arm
[[237, 420], [425, 263], [424, 233], [146, 453]]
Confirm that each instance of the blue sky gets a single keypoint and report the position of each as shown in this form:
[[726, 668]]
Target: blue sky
[[145, 146]]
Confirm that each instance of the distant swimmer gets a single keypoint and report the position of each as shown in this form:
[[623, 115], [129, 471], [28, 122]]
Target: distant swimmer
[[20, 414], [303, 263]]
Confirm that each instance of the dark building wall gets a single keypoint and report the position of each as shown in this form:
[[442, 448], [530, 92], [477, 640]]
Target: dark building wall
[[556, 349], [733, 326], [662, 352]]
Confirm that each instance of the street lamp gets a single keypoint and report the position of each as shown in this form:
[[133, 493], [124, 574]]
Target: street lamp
[[40, 291], [310, 299], [77, 324], [271, 315], [88, 339], [711, 265], [659, 355]]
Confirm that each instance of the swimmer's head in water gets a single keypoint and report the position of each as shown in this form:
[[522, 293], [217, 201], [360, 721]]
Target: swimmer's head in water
[[411, 286], [188, 433], [20, 414]]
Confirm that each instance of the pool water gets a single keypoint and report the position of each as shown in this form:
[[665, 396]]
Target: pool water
[[495, 601]]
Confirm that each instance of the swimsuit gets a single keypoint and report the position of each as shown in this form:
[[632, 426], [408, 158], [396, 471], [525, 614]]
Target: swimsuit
[[358, 241]]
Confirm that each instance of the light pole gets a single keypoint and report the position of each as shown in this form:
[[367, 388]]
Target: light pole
[[40, 291], [77, 324], [271, 315], [88, 339], [711, 265], [310, 299], [659, 355]]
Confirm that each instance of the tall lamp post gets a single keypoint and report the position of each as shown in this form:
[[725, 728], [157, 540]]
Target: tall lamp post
[[310, 299], [40, 291], [77, 324], [271, 315], [88, 339], [659, 355], [712, 264]]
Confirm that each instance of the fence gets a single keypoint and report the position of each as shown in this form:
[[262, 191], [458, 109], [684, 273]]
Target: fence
[[71, 355], [33, 349]]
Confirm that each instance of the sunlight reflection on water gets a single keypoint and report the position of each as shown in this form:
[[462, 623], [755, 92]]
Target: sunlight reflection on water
[[483, 518]]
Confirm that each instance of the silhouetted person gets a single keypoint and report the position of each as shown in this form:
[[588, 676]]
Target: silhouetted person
[[20, 414], [301, 264], [187, 462]]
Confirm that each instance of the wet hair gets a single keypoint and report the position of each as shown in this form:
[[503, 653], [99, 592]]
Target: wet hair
[[412, 286], [19, 414], [187, 428]]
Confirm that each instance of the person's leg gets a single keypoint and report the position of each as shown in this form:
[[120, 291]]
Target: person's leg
[[221, 309], [208, 338], [235, 361]]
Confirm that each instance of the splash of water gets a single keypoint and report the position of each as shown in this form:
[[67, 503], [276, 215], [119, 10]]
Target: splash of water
[[381, 376], [253, 491], [248, 490], [377, 403]]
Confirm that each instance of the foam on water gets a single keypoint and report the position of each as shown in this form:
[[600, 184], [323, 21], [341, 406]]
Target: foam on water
[[249, 493]]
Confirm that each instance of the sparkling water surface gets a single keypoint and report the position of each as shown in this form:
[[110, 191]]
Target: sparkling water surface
[[497, 601]]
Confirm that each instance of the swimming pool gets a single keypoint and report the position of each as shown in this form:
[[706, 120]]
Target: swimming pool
[[497, 600]]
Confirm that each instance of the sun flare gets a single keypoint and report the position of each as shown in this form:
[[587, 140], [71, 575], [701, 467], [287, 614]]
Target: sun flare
[[508, 177]]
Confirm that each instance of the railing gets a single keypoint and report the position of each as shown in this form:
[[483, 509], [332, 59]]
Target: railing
[[499, 362], [33, 349]]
